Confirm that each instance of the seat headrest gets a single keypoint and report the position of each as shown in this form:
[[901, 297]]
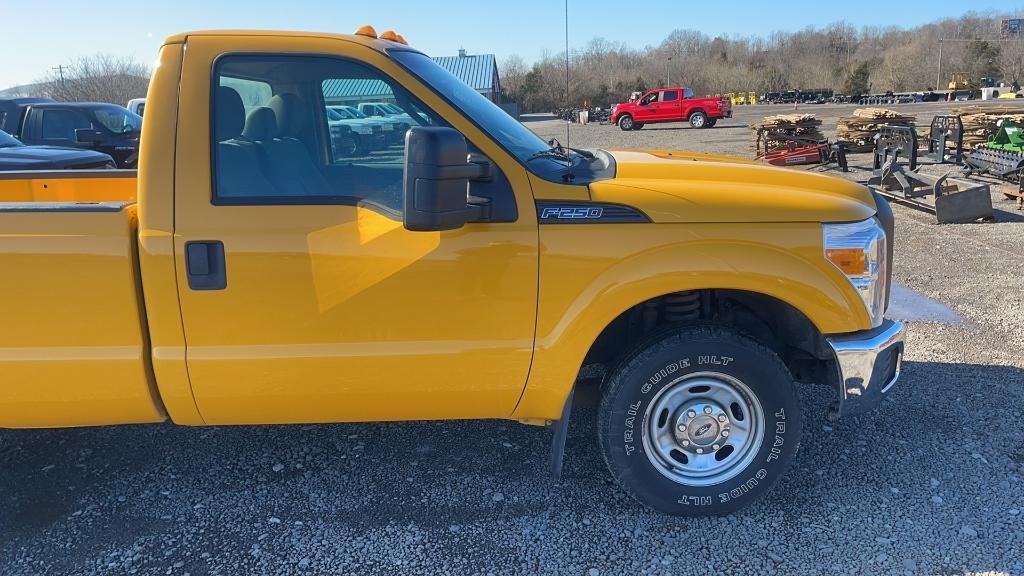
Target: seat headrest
[[229, 113], [261, 125], [292, 114]]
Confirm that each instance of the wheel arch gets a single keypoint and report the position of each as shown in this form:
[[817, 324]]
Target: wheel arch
[[808, 295]]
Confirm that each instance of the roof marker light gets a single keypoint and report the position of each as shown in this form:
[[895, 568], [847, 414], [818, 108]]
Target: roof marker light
[[367, 30], [389, 35], [401, 40]]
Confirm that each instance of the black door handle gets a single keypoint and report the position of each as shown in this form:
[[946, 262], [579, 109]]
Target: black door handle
[[204, 265]]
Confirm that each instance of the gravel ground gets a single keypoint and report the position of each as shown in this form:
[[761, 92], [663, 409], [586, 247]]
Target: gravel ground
[[928, 484]]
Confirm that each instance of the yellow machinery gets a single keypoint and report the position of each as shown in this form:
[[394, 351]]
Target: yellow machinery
[[961, 81]]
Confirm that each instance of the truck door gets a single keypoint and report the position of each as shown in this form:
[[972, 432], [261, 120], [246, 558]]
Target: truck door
[[669, 105], [304, 299], [647, 107]]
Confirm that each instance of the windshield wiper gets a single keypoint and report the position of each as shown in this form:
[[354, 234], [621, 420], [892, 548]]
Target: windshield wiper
[[549, 153], [559, 151]]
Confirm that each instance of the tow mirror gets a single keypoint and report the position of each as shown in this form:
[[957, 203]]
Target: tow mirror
[[88, 136], [437, 175]]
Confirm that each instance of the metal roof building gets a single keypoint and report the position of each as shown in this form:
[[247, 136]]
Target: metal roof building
[[480, 71]]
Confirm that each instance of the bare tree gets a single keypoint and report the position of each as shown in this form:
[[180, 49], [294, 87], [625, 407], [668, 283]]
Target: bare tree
[[513, 70], [837, 57], [99, 78]]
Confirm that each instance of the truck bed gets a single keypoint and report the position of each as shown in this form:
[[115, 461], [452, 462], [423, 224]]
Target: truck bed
[[67, 185], [73, 351]]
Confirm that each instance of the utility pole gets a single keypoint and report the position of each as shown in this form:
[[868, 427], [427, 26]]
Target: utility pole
[[668, 80], [60, 72], [938, 75]]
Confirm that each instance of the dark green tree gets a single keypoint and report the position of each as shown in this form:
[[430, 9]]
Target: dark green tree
[[858, 80]]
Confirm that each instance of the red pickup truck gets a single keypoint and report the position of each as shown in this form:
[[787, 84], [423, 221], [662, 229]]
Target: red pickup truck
[[671, 105]]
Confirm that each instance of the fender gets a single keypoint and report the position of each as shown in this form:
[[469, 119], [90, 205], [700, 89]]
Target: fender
[[586, 285]]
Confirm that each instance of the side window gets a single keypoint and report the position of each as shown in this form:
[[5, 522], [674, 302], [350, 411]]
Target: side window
[[669, 95], [687, 93], [61, 124], [291, 130]]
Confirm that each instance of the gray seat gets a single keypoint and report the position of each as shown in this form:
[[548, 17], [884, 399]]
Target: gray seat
[[291, 168], [238, 166]]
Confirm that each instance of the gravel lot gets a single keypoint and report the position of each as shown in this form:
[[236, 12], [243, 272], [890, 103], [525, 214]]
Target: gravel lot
[[929, 484]]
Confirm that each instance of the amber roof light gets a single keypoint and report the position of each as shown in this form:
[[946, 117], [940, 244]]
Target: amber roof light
[[367, 31]]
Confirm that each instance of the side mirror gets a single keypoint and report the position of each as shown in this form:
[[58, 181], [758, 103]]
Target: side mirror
[[437, 174], [88, 136]]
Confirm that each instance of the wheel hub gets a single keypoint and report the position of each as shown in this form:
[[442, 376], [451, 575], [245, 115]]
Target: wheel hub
[[701, 425], [703, 428]]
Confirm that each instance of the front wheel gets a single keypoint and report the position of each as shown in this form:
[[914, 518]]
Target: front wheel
[[699, 119], [626, 122], [700, 421]]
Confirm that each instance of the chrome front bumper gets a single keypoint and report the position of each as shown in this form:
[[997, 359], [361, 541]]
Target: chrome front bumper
[[868, 364]]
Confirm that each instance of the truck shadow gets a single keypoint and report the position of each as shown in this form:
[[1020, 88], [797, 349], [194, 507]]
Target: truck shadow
[[112, 487], [656, 128]]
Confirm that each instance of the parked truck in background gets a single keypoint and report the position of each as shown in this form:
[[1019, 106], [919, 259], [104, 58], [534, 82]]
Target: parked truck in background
[[106, 128], [471, 271], [670, 105]]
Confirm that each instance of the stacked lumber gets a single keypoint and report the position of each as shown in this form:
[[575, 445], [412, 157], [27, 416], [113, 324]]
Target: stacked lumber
[[980, 121], [767, 132], [859, 130]]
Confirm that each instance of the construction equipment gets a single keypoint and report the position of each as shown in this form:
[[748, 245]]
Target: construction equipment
[[1001, 156], [794, 140], [946, 139], [961, 81], [892, 142], [799, 151], [752, 98], [955, 200]]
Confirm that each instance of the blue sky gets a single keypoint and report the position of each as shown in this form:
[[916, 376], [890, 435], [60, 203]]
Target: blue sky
[[53, 32]]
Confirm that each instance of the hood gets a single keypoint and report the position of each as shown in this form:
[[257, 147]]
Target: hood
[[43, 157], [671, 186]]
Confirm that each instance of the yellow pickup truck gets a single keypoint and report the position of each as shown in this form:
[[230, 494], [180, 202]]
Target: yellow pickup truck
[[266, 271]]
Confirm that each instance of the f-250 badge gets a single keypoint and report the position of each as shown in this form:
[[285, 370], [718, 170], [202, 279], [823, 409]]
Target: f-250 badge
[[570, 213]]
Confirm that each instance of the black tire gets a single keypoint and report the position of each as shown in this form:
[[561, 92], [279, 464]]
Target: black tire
[[625, 122], [699, 120], [712, 122], [638, 126], [686, 355]]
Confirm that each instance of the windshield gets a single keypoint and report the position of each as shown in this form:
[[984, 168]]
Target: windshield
[[354, 112], [389, 107], [118, 120], [337, 114], [513, 136], [8, 141]]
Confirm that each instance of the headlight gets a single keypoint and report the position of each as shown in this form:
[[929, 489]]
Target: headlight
[[858, 250]]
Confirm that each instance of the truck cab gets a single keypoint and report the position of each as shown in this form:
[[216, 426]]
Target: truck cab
[[471, 271]]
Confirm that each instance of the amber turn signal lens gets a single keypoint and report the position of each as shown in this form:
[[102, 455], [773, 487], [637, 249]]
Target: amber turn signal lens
[[851, 261], [367, 31]]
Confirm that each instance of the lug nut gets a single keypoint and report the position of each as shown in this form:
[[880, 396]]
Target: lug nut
[[700, 450], [682, 428], [691, 413], [721, 417], [685, 443], [715, 446], [707, 409], [725, 432]]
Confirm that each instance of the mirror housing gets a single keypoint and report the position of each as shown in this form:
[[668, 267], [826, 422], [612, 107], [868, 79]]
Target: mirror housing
[[88, 136], [436, 184]]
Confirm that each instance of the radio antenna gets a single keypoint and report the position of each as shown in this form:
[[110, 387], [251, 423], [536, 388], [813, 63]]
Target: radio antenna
[[568, 160]]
